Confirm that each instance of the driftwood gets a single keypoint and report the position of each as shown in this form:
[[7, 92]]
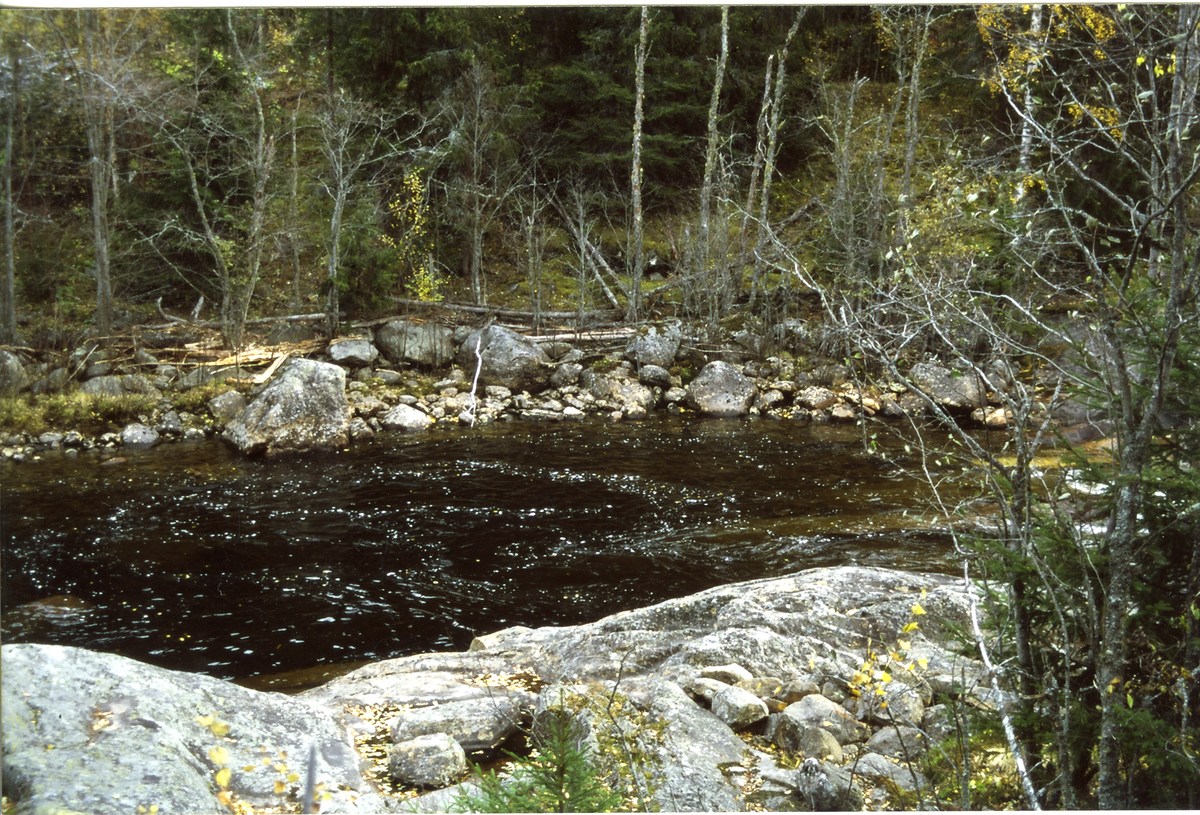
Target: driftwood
[[174, 321]]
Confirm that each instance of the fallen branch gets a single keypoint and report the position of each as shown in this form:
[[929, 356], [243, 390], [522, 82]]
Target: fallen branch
[[1009, 734], [507, 313]]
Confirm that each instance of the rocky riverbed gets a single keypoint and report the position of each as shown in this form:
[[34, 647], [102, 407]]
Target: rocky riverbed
[[407, 375], [819, 690]]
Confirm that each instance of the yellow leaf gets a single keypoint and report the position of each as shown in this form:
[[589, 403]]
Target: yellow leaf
[[293, 778], [904, 644], [885, 677], [924, 663], [219, 728], [249, 768], [219, 756], [223, 776], [281, 768], [280, 787], [909, 628], [224, 798], [917, 610], [204, 721]]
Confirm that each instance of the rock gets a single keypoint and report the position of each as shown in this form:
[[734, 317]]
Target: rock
[[13, 376], [226, 406], [817, 711], [825, 787], [904, 775], [170, 424], [655, 377], [52, 382], [434, 760], [618, 387], [729, 674], [901, 742], [98, 369], [303, 408], [476, 724], [355, 352], [139, 437], [655, 345], [99, 733], [406, 418], [720, 389], [738, 708], [202, 375], [429, 345], [117, 386], [815, 397], [508, 359], [953, 390], [565, 373], [819, 743]]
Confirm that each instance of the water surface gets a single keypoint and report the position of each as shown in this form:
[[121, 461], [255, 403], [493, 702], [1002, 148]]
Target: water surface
[[196, 559]]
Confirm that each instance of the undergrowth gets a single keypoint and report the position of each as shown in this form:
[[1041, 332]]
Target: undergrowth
[[86, 413]]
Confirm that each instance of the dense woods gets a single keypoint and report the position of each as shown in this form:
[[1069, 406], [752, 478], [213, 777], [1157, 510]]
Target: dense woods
[[984, 185]]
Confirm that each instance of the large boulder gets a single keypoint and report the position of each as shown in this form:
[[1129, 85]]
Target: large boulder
[[952, 389], [99, 733], [476, 724], [720, 389], [13, 377], [356, 352], [508, 359], [655, 345], [428, 345], [303, 408]]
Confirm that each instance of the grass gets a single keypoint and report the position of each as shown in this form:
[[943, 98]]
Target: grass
[[61, 412]]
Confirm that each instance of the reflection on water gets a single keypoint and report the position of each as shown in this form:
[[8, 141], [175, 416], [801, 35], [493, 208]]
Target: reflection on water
[[192, 558]]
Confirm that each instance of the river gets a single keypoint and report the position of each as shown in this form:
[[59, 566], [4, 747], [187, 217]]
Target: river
[[194, 558]]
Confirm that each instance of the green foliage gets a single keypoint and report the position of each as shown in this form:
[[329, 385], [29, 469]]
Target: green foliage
[[556, 777], [86, 413]]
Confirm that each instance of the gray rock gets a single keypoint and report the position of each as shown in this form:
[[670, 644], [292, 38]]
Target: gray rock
[[202, 375], [817, 711], [899, 742], [508, 359], [98, 369], [226, 406], [99, 733], [948, 388], [565, 373], [139, 437], [476, 724], [619, 388], [738, 708], [434, 760], [655, 345], [406, 418], [429, 345], [825, 787], [904, 775], [303, 408], [52, 382], [654, 376], [356, 352], [729, 674], [170, 424], [720, 389], [13, 377], [117, 386]]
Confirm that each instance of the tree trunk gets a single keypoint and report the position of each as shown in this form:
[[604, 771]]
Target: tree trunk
[[635, 176], [8, 301], [710, 154], [95, 101]]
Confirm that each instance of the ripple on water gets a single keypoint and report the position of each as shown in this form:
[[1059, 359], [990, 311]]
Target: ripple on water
[[202, 561]]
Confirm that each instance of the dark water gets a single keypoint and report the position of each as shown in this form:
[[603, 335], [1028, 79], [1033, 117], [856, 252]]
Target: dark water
[[196, 559]]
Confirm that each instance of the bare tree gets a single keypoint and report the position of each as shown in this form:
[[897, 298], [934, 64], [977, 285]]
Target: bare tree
[[638, 250]]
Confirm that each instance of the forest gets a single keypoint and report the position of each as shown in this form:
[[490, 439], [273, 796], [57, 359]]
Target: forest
[[989, 186]]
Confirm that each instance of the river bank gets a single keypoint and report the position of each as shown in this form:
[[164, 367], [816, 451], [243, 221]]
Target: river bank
[[429, 374]]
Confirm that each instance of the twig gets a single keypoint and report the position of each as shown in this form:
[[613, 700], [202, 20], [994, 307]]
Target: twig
[[475, 381]]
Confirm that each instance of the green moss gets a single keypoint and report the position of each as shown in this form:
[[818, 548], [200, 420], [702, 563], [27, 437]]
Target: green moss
[[86, 413]]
